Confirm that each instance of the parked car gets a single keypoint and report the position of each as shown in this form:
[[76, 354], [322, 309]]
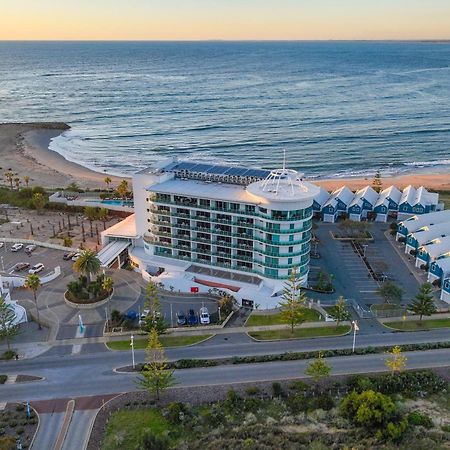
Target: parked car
[[76, 256], [204, 316], [30, 248], [192, 318], [39, 267], [16, 247], [69, 255], [181, 318], [2, 244], [143, 316], [21, 266]]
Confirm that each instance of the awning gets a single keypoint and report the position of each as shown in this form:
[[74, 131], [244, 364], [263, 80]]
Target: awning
[[109, 253]]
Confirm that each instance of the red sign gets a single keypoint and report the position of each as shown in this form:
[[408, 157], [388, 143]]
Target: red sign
[[194, 289]]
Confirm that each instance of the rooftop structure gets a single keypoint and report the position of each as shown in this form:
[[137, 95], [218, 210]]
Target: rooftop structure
[[416, 222]]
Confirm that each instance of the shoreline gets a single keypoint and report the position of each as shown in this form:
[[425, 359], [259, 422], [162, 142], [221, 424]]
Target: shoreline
[[24, 150]]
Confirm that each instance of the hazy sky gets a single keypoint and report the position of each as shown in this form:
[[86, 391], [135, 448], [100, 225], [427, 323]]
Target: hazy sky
[[224, 19]]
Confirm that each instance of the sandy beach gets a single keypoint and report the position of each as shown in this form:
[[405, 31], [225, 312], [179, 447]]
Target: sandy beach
[[24, 150]]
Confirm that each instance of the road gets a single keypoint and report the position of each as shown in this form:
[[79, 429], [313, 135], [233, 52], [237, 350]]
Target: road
[[92, 373]]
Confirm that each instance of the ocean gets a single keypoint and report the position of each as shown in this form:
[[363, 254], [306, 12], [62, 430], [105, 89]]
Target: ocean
[[337, 108]]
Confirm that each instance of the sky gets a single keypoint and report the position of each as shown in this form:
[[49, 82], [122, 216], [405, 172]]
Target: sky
[[223, 19]]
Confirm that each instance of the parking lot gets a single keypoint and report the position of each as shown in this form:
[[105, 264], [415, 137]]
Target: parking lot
[[352, 278], [49, 257]]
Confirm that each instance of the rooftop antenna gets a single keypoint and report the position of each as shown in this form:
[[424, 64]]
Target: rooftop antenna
[[284, 160]]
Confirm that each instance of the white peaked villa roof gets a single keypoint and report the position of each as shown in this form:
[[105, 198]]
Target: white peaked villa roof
[[429, 232], [438, 247], [283, 185], [419, 196], [322, 197], [414, 223], [444, 264], [390, 193], [344, 194], [366, 193]]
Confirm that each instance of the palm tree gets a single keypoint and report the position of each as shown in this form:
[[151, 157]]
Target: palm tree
[[9, 176], [107, 285], [91, 213], [33, 283], [38, 201], [107, 181], [123, 189], [26, 178], [87, 264], [17, 182], [103, 216]]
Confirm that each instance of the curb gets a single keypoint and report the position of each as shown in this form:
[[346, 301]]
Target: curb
[[37, 428]]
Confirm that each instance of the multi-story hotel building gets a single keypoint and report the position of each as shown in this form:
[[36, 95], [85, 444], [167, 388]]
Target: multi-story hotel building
[[231, 220]]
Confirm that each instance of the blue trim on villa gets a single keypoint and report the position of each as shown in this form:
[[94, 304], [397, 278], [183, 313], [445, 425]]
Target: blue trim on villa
[[436, 270]]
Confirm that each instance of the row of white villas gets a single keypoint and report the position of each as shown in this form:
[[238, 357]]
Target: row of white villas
[[427, 237], [367, 203], [235, 228]]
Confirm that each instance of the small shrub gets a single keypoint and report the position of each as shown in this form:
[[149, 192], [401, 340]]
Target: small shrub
[[8, 354], [175, 412], [20, 430], [299, 386], [323, 401], [3, 379], [417, 419], [13, 423], [446, 428], [252, 390], [152, 442], [20, 408], [277, 389], [394, 431]]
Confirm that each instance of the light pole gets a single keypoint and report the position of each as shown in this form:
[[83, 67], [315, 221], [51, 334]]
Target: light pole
[[132, 351], [355, 329], [3, 263]]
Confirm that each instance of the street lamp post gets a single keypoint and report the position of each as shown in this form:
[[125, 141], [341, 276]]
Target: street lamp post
[[132, 351], [355, 329]]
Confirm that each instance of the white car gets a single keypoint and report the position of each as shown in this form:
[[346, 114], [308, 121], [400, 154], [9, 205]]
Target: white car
[[39, 267], [16, 247], [204, 316], [76, 256], [2, 244], [30, 248]]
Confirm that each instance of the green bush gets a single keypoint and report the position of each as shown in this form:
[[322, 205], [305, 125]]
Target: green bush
[[8, 354], [417, 419], [368, 409], [323, 401], [232, 401], [277, 389], [252, 390], [150, 441], [175, 412], [3, 379], [395, 431]]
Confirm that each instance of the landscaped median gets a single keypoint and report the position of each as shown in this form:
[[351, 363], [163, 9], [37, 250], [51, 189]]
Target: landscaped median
[[261, 319], [167, 341], [418, 325], [300, 332]]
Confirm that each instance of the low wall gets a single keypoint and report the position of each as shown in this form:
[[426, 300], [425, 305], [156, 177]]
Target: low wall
[[408, 318], [93, 305], [38, 243]]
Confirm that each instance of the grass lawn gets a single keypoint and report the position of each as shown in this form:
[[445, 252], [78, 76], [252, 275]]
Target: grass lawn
[[311, 315], [300, 333], [166, 341], [424, 324], [125, 428]]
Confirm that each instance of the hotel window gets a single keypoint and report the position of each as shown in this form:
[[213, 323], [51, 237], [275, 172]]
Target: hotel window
[[249, 209], [204, 203]]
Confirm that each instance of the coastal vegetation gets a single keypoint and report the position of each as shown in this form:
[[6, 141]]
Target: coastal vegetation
[[406, 410]]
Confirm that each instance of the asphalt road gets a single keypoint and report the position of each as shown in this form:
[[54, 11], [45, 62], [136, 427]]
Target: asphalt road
[[92, 373]]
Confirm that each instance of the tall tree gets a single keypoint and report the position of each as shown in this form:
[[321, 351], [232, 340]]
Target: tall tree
[[396, 361], [156, 376], [318, 369], [91, 214], [377, 184], [26, 179], [339, 312], [123, 189], [9, 177], [38, 201], [294, 300], [103, 216], [152, 301], [7, 327], [424, 301], [33, 283], [87, 264], [391, 293], [107, 181]]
